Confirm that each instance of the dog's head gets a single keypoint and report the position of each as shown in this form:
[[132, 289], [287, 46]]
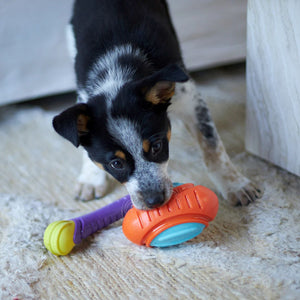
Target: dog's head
[[129, 135]]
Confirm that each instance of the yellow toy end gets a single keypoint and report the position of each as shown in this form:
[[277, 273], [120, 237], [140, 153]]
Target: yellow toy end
[[58, 237]]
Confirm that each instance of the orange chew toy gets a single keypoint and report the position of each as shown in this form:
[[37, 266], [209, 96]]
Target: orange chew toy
[[189, 210]]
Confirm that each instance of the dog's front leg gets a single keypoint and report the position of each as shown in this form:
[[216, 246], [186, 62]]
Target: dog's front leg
[[228, 180], [92, 181], [231, 183]]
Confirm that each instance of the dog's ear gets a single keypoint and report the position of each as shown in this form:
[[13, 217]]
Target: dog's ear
[[160, 86], [73, 124]]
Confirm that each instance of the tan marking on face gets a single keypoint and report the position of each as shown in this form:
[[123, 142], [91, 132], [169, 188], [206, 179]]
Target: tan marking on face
[[98, 165], [169, 134], [161, 92], [120, 154], [82, 121], [146, 145]]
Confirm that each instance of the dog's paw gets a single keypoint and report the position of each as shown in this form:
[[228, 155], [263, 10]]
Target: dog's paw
[[245, 195], [86, 191], [92, 182]]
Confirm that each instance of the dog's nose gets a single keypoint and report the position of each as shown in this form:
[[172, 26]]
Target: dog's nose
[[155, 200]]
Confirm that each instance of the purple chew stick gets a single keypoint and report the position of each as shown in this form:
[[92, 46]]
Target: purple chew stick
[[90, 223]]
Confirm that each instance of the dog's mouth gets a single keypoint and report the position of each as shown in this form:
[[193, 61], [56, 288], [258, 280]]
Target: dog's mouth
[[147, 199]]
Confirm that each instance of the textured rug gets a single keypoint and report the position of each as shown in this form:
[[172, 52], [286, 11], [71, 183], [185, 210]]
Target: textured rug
[[246, 253]]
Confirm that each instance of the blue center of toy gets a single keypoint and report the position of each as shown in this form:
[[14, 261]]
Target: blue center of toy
[[177, 234]]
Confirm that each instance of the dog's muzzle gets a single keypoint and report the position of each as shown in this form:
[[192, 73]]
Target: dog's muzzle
[[154, 199]]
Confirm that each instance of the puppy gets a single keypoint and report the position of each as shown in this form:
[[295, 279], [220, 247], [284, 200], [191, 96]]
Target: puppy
[[129, 66]]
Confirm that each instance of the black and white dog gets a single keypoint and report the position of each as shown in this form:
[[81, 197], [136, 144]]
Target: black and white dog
[[129, 66]]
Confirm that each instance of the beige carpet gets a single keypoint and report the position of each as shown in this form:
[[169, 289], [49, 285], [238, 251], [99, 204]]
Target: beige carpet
[[246, 253]]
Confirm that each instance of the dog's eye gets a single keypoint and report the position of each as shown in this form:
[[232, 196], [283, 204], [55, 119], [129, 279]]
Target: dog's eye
[[117, 164], [156, 148]]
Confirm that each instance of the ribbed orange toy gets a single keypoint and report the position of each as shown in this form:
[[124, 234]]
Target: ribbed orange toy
[[188, 204]]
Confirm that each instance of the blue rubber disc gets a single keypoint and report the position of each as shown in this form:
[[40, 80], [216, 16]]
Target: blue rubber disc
[[177, 234], [175, 184]]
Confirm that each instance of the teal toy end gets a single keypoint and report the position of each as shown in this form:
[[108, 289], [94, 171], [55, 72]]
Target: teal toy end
[[175, 184], [177, 234]]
